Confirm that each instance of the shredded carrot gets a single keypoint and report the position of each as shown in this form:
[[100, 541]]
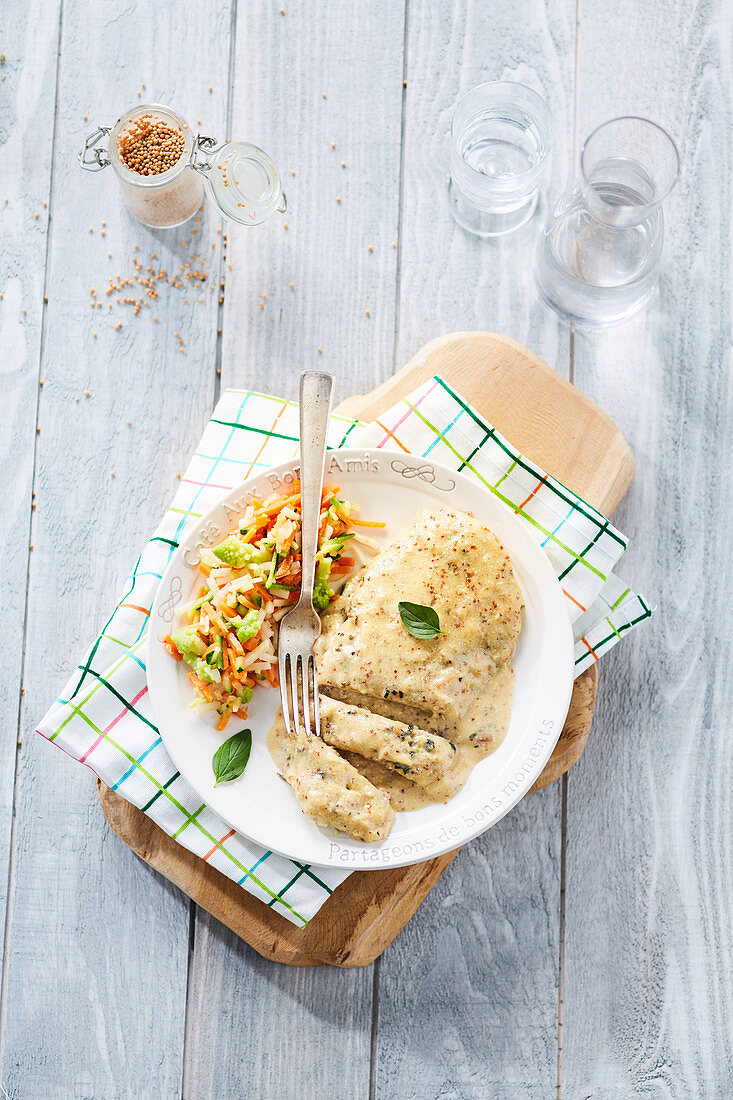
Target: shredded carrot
[[170, 646], [201, 687], [272, 676], [222, 723], [284, 568], [367, 523], [280, 503]]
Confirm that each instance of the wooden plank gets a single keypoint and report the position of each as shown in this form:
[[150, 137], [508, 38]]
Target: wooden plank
[[465, 1008], [28, 98], [480, 959], [98, 946], [322, 1017], [649, 948], [298, 1032], [344, 87]]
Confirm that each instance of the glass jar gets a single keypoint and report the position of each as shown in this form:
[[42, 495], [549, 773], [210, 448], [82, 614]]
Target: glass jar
[[240, 178]]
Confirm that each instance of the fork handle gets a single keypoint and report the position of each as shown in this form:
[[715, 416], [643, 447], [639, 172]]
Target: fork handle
[[315, 407]]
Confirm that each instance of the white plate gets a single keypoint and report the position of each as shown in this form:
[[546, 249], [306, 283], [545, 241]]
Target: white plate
[[393, 488]]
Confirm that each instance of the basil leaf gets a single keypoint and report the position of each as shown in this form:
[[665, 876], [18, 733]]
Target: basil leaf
[[418, 620], [230, 759]]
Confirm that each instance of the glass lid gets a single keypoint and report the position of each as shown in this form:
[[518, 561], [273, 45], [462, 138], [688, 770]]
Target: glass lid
[[244, 182]]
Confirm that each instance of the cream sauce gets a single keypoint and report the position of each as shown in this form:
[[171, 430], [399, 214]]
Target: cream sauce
[[448, 561], [457, 686], [475, 737]]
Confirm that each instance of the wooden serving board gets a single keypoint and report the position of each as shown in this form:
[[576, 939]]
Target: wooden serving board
[[565, 433]]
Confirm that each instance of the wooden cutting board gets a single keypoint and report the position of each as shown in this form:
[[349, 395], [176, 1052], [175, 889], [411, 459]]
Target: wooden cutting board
[[565, 433]]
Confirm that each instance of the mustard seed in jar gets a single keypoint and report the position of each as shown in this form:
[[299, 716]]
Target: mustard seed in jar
[[150, 146], [150, 149]]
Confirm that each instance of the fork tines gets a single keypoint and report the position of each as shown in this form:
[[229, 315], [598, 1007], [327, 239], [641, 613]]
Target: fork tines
[[299, 693]]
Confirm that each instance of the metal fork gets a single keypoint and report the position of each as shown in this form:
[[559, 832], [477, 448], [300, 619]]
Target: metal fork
[[300, 628]]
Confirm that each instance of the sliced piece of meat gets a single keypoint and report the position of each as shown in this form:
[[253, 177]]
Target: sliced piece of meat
[[329, 789], [423, 757]]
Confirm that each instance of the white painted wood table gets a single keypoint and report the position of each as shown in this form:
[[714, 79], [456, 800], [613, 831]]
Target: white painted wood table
[[583, 948]]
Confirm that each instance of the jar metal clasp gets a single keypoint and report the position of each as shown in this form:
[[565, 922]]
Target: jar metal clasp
[[93, 158], [201, 145]]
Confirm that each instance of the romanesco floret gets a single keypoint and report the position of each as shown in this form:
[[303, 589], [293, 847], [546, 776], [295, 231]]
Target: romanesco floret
[[189, 644], [248, 626], [233, 551], [191, 647]]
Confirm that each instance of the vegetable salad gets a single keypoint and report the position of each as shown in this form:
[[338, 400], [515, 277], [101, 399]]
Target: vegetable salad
[[252, 579]]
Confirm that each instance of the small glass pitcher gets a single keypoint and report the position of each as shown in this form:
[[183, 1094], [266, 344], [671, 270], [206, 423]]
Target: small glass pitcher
[[240, 178], [597, 261]]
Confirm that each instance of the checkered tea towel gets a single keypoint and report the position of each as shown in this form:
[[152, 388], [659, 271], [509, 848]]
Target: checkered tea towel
[[103, 716]]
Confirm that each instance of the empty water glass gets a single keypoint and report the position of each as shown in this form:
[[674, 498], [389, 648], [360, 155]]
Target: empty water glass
[[501, 137], [598, 258]]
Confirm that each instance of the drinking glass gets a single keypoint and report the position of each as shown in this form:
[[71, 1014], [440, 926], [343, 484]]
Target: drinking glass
[[501, 136], [597, 261]]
